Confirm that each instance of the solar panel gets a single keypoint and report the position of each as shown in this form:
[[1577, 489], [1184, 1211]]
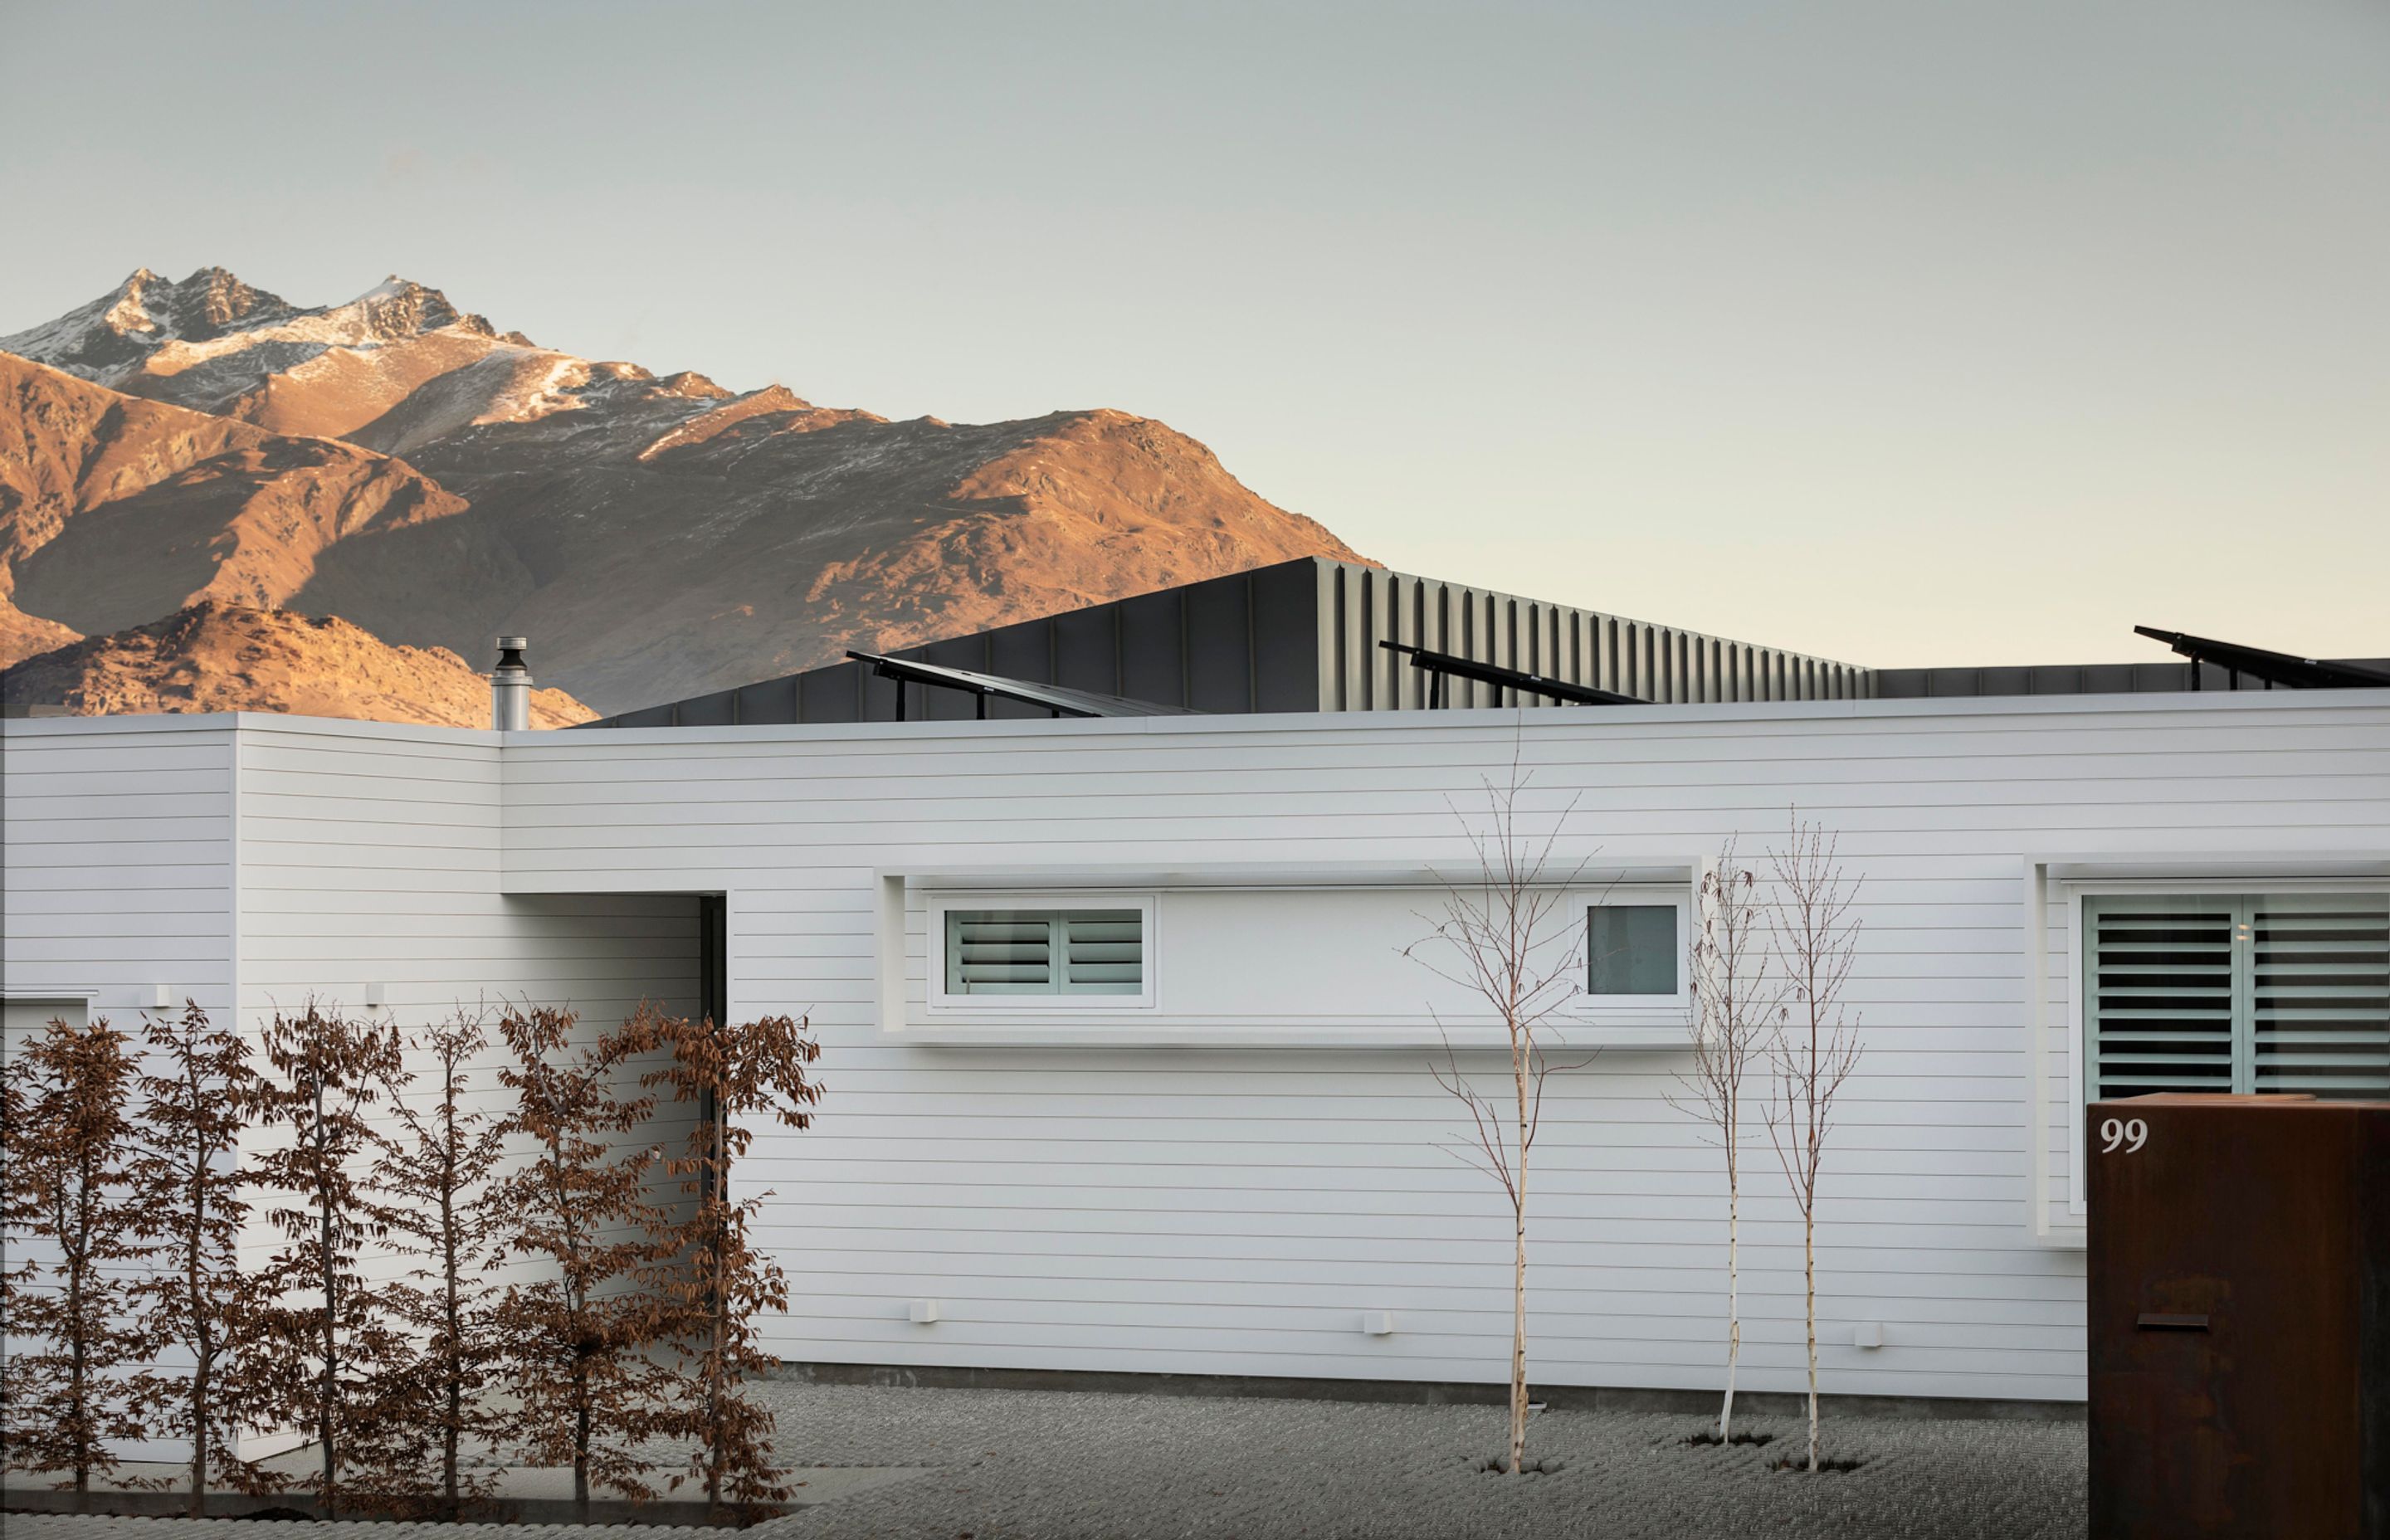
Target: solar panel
[[2275, 668], [1441, 665], [1055, 698]]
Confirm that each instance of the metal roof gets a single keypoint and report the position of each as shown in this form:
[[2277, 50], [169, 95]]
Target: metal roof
[[1316, 635], [1299, 636]]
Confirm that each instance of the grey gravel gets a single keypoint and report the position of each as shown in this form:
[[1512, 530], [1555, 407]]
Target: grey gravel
[[1038, 1465]]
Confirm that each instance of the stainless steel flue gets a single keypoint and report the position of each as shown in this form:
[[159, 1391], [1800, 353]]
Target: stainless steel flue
[[510, 687]]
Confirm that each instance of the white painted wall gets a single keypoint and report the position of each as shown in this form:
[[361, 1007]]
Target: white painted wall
[[370, 855], [117, 860], [1236, 1210], [116, 878], [367, 856]]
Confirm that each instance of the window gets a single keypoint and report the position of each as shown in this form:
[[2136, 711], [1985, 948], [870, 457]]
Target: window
[[1002, 952], [1633, 953], [2238, 992]]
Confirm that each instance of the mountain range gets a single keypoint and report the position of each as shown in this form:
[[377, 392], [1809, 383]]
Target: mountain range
[[405, 465]]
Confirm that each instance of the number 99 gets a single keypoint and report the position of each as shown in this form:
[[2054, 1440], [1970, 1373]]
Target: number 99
[[2126, 1134]]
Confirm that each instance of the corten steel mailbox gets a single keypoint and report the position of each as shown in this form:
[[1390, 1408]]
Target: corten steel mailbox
[[2240, 1317]]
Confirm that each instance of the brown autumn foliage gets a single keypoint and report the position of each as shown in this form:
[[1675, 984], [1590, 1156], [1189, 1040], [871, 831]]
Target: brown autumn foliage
[[444, 1159], [582, 1338], [328, 1336], [715, 1280], [643, 1331], [17, 1214], [198, 1092], [70, 1144]]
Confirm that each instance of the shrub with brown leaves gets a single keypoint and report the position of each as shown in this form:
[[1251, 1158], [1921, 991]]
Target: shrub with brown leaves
[[329, 1337], [717, 1282], [198, 1092], [582, 1337], [70, 1146]]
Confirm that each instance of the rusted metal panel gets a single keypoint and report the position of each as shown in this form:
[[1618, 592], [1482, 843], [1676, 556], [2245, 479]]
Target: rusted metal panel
[[2237, 1315]]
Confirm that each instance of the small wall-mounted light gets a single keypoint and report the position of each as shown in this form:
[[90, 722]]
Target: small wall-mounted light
[[1377, 1323], [1867, 1334], [923, 1311], [161, 996], [375, 997]]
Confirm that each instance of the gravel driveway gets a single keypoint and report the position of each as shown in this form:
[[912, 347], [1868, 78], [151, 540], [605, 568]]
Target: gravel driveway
[[1042, 1465]]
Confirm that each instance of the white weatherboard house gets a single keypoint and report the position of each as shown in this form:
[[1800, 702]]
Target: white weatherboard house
[[1192, 1130]]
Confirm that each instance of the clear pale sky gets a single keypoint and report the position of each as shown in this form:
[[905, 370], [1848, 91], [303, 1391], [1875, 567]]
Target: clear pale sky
[[1905, 332]]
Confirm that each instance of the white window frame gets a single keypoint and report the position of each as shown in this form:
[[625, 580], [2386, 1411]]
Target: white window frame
[[1627, 895], [941, 903], [2078, 1028]]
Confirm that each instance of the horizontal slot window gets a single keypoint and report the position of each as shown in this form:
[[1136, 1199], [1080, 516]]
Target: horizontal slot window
[[1031, 951]]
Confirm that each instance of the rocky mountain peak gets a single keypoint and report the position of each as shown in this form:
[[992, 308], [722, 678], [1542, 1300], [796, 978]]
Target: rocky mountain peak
[[111, 337], [221, 300], [660, 536], [401, 307]]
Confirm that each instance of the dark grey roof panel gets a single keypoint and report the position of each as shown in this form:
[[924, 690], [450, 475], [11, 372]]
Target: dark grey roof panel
[[1298, 637], [1363, 606]]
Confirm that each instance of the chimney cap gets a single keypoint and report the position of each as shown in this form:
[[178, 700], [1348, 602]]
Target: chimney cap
[[513, 644], [511, 655]]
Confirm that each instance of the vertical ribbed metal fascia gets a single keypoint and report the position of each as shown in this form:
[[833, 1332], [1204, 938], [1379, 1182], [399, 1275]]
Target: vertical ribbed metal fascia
[[1361, 606]]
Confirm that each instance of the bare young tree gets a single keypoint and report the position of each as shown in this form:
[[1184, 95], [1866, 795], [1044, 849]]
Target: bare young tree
[[445, 1157], [1513, 935], [582, 1338], [69, 1157], [1813, 940], [200, 1093], [1736, 1001], [329, 1329], [717, 1280]]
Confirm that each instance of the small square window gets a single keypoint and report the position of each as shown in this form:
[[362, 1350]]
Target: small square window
[[1632, 950]]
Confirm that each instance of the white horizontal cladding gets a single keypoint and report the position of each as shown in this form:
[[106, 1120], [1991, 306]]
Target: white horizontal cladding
[[116, 863], [117, 881], [370, 858], [1233, 1198], [1272, 954]]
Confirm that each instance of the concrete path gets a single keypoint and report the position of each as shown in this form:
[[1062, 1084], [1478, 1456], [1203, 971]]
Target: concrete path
[[1012, 1465]]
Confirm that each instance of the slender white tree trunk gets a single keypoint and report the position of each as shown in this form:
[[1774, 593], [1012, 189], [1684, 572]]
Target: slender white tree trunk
[[1733, 1303], [1520, 1079], [1809, 1270], [1519, 1339]]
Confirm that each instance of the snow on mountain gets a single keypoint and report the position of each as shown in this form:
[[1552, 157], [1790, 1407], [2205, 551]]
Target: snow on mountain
[[216, 344], [110, 339], [657, 536]]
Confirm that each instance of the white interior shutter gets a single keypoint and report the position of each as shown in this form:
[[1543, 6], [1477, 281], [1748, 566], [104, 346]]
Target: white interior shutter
[[999, 951], [2321, 998], [1104, 952], [2161, 991]]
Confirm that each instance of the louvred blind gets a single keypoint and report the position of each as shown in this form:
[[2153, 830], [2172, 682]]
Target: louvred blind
[[2320, 994], [1044, 952], [2240, 992], [2161, 993]]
